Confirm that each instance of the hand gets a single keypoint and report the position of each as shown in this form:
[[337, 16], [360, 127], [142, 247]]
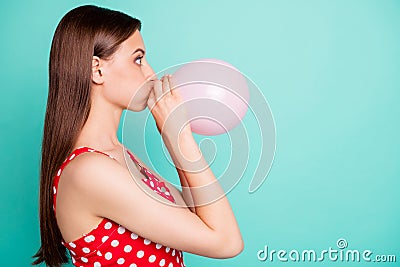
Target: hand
[[168, 109]]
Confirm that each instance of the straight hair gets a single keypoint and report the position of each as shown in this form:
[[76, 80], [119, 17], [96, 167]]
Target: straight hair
[[83, 32]]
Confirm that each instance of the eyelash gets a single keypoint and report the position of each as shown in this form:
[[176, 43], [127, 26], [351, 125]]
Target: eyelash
[[140, 59]]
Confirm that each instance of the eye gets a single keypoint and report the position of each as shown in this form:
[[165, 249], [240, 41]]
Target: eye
[[139, 59]]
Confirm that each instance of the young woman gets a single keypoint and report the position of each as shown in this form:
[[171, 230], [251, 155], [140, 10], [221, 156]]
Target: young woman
[[102, 209]]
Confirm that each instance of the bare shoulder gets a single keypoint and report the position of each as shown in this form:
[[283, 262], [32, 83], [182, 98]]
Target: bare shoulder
[[78, 191], [88, 169]]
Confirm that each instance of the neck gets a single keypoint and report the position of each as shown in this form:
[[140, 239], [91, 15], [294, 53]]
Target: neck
[[100, 129]]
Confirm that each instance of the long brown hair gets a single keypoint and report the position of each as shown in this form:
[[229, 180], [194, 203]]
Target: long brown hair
[[84, 32]]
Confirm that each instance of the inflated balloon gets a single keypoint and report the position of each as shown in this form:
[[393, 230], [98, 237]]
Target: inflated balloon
[[215, 95]]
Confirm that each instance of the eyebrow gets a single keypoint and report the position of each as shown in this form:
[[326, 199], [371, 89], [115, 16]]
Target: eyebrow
[[139, 49]]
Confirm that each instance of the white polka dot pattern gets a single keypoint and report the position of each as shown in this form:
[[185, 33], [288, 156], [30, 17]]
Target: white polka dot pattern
[[89, 238], [108, 256], [107, 225], [110, 244], [128, 248], [152, 258], [140, 254]]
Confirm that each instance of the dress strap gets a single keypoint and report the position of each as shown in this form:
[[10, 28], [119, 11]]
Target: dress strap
[[74, 154], [133, 158], [143, 169], [152, 181]]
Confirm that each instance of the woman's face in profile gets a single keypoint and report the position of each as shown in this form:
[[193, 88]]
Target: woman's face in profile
[[126, 76]]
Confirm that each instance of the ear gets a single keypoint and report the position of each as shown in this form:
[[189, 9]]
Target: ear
[[97, 76]]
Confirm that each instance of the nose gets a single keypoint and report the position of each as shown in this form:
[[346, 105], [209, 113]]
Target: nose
[[149, 73]]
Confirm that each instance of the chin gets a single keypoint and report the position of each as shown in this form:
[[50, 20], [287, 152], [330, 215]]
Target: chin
[[137, 108]]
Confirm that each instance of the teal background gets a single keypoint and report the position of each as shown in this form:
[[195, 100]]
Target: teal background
[[330, 72]]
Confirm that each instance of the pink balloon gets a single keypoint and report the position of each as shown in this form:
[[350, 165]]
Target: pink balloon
[[215, 95]]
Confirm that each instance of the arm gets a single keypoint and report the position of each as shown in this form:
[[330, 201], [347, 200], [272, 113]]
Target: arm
[[205, 193], [186, 194], [106, 189], [190, 164]]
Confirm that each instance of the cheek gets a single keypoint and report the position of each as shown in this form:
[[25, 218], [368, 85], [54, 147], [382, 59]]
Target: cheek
[[125, 88], [140, 95]]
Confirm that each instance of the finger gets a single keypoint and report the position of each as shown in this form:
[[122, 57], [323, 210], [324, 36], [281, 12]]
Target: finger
[[171, 83], [165, 85], [157, 89]]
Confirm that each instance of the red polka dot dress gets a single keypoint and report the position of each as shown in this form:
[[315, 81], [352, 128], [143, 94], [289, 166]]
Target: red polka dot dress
[[110, 244]]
